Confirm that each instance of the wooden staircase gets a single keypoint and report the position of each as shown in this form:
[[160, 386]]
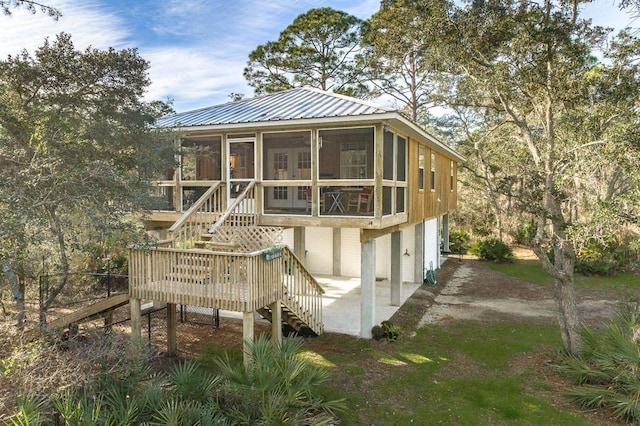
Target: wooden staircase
[[234, 264]]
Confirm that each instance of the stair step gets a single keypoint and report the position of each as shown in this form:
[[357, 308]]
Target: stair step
[[216, 244]]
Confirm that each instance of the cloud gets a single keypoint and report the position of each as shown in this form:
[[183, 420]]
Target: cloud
[[87, 22], [191, 78]]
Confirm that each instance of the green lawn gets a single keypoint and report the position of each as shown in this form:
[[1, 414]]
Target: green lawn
[[467, 373], [532, 272]]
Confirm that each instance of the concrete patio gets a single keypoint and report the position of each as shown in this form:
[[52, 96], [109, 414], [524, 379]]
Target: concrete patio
[[341, 303]]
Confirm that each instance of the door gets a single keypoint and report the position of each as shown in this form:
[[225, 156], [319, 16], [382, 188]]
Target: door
[[288, 164], [241, 165]]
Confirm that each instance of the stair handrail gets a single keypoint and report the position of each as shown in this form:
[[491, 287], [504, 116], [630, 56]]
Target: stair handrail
[[233, 207], [303, 291], [207, 204], [298, 264]]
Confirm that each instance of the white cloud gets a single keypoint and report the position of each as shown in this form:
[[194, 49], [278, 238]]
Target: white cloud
[[192, 78], [87, 22]]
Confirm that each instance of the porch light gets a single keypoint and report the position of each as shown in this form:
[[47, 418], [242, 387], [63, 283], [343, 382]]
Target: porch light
[[233, 159]]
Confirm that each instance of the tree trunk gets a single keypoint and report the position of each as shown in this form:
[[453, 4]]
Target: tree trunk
[[16, 289], [565, 295]]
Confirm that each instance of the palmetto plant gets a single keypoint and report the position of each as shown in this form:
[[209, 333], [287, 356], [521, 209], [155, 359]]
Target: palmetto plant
[[607, 372], [277, 387]]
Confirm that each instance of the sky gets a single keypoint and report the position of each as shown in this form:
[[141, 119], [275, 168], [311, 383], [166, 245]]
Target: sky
[[197, 49]]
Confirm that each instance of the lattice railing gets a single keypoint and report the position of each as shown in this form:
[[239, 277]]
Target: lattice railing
[[199, 217], [239, 225]]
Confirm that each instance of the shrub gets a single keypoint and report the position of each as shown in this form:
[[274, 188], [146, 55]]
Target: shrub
[[492, 249], [598, 258], [386, 330], [278, 386], [524, 233], [459, 241], [606, 373]]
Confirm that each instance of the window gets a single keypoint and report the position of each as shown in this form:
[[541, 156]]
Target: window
[[387, 158], [401, 160], [286, 156], [421, 167], [433, 171], [452, 177], [353, 160], [400, 207], [346, 153], [200, 158]]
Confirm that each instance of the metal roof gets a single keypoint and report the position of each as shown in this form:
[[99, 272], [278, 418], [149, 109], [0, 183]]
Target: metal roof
[[293, 104]]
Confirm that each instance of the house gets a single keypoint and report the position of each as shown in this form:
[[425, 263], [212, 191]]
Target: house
[[295, 184]]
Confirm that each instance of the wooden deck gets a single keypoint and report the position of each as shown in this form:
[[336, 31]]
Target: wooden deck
[[241, 282]]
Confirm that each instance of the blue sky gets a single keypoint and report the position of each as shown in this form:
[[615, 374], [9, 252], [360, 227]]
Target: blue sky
[[197, 49]]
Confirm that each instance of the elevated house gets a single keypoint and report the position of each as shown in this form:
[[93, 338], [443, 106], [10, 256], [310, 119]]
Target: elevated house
[[275, 190]]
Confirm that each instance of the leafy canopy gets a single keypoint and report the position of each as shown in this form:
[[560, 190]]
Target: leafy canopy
[[318, 49], [76, 148]]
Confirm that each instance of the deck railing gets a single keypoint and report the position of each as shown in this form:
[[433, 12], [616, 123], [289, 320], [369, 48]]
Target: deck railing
[[239, 225], [199, 217], [303, 294], [242, 282]]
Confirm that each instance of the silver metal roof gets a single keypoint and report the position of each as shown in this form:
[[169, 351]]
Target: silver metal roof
[[293, 104]]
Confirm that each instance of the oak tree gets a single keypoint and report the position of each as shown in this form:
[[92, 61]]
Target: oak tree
[[77, 153]]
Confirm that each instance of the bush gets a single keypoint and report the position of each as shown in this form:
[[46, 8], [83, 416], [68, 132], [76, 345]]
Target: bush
[[524, 233], [492, 249], [459, 241], [605, 373], [597, 258], [386, 330]]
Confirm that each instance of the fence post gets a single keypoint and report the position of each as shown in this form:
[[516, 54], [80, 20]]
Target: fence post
[[109, 278]]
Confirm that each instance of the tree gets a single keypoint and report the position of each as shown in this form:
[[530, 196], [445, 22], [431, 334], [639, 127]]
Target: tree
[[76, 150], [530, 68], [318, 49], [32, 6], [403, 52]]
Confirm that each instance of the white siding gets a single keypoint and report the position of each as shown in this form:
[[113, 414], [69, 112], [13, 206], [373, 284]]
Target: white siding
[[287, 238], [408, 241], [350, 256], [383, 259], [431, 243], [319, 254]]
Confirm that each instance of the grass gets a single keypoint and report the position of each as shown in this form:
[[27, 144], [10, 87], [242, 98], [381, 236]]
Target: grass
[[457, 373], [461, 373], [532, 272]]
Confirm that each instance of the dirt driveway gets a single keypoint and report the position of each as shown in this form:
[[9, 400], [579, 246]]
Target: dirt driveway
[[471, 290]]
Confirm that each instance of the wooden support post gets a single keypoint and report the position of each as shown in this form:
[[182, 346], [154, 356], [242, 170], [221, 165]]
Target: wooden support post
[[418, 274], [299, 243], [172, 323], [396, 268], [276, 322], [136, 319], [247, 335], [337, 252], [368, 287]]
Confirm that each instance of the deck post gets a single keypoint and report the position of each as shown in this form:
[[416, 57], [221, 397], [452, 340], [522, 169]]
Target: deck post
[[418, 274], [136, 318], [337, 252], [368, 287], [172, 344], [276, 322], [247, 335], [299, 243], [396, 268]]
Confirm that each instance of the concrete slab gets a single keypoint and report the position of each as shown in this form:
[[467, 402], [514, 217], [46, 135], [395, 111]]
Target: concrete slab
[[341, 303]]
